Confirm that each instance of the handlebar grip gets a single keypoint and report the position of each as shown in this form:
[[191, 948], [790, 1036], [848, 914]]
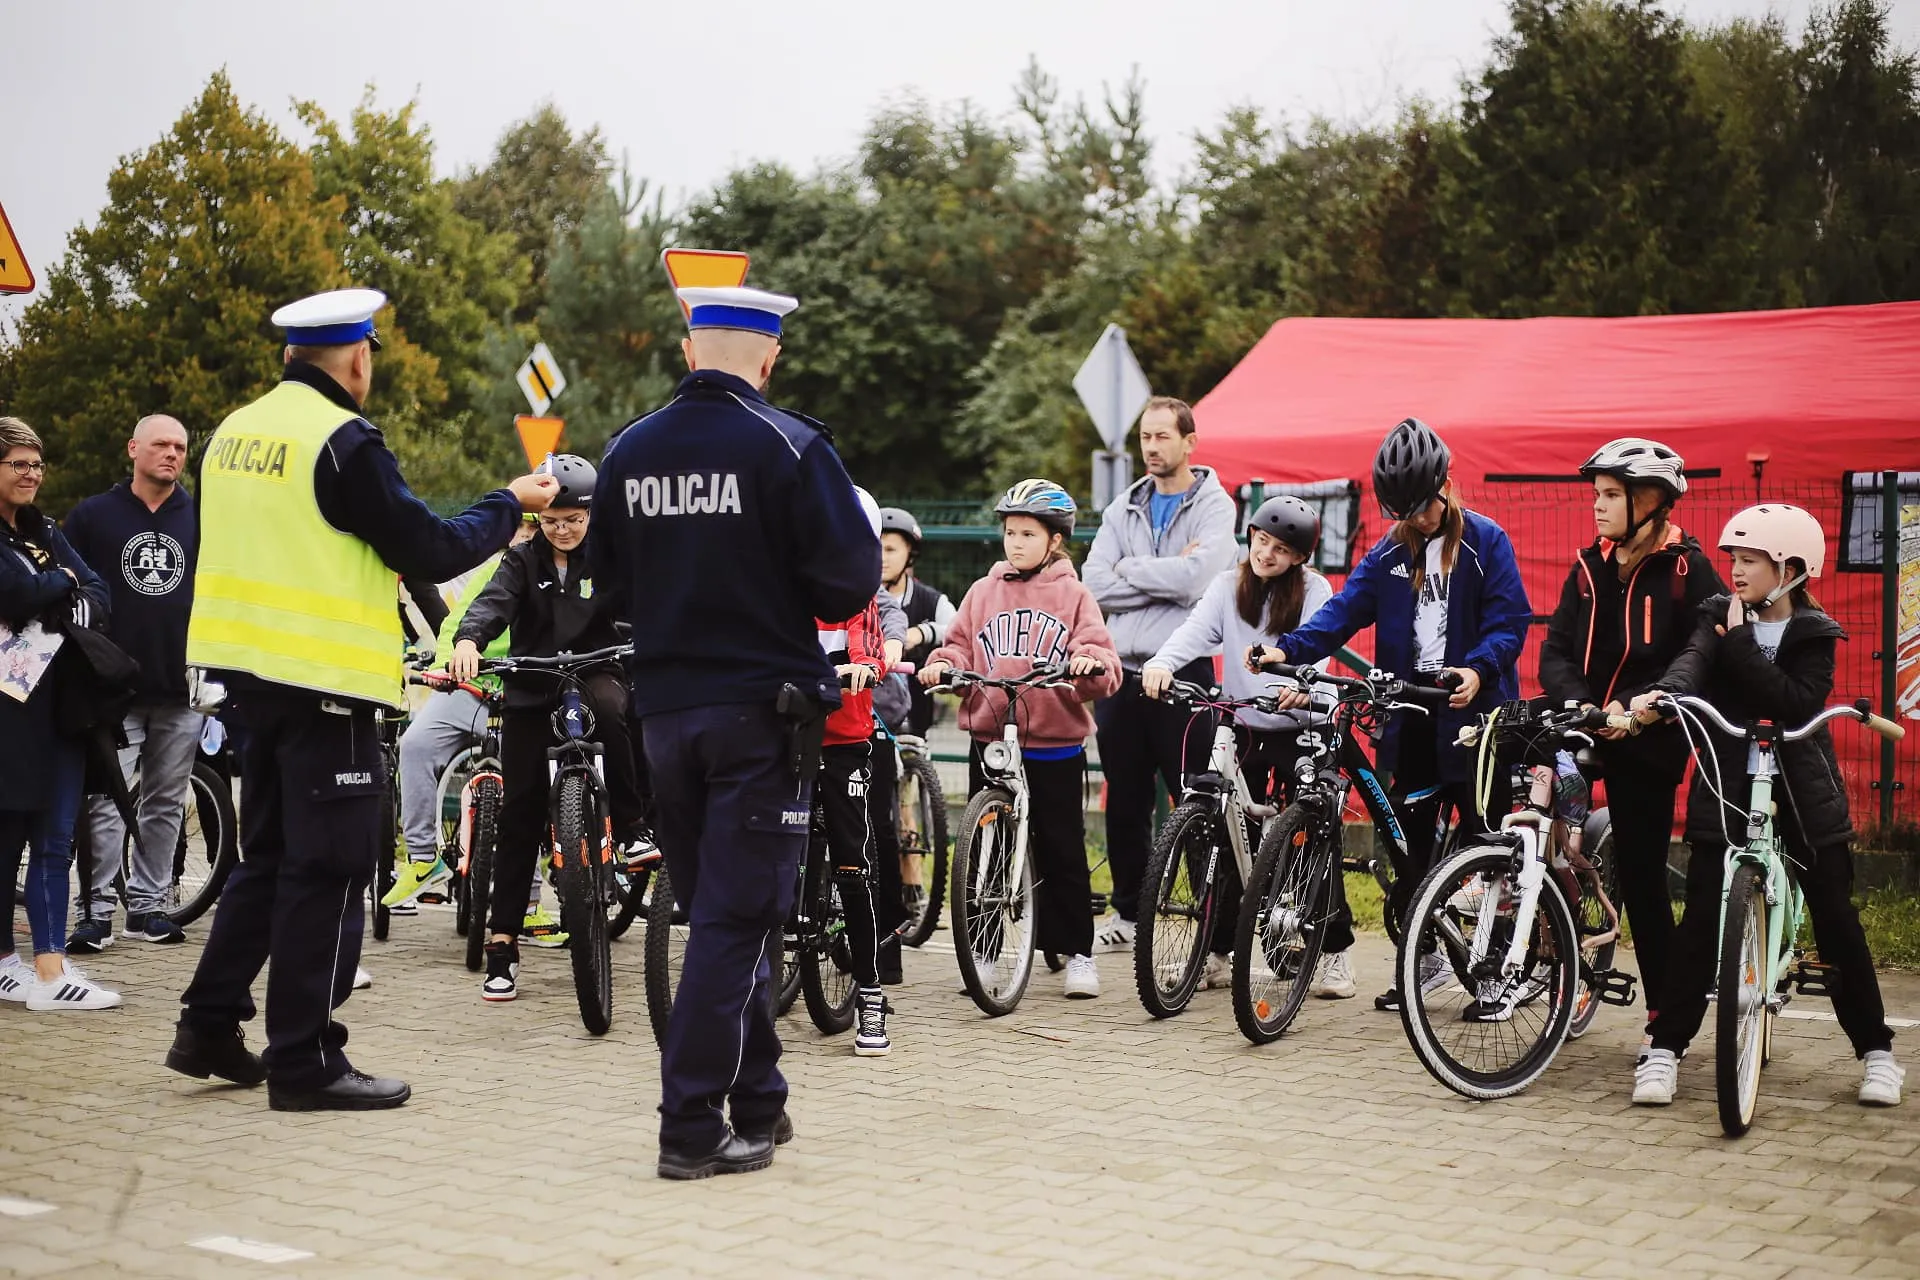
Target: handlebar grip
[[1885, 728], [1428, 694], [1449, 680]]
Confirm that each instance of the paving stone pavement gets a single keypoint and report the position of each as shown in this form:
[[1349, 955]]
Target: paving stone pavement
[[1064, 1139]]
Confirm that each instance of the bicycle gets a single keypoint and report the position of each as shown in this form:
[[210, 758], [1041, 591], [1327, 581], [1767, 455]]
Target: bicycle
[[1523, 919], [923, 840], [470, 793], [991, 889], [1181, 880], [1292, 893], [1762, 907], [581, 826]]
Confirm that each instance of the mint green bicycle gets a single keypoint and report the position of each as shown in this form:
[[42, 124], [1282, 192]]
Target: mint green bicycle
[[1761, 906]]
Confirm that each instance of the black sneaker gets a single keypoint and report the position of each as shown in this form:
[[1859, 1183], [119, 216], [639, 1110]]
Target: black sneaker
[[1388, 1001], [91, 937], [870, 1041], [503, 972], [161, 929]]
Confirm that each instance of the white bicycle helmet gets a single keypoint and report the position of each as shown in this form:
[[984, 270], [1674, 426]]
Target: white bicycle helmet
[[1634, 460], [1782, 533], [868, 505]]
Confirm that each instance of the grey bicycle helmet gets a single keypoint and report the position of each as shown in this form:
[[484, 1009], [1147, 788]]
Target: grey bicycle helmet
[[576, 477], [1044, 500], [1410, 469], [1289, 519], [899, 520], [1633, 460]]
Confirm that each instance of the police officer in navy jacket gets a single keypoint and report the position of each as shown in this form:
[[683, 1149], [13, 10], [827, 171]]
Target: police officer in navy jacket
[[728, 526]]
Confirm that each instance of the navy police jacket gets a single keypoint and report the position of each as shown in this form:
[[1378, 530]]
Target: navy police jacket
[[727, 527]]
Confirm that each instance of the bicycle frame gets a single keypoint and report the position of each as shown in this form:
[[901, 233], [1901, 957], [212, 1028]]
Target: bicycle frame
[[1006, 768], [1764, 850]]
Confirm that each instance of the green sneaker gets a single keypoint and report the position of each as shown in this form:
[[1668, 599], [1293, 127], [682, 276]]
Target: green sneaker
[[542, 930], [414, 879]]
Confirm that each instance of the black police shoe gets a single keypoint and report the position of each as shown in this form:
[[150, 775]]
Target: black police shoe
[[354, 1091], [781, 1130], [735, 1153], [201, 1054]]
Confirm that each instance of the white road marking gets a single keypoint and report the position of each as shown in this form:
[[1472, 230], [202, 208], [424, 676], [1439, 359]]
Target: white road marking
[[23, 1208], [257, 1250], [1821, 1015]]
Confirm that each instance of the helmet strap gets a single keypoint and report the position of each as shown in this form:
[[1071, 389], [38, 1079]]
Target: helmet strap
[[1785, 586]]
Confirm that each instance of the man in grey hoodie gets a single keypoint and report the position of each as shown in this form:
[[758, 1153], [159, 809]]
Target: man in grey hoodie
[[1160, 544]]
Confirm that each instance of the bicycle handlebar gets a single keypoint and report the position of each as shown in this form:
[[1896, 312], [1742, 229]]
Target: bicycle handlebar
[[559, 662], [1189, 694], [1861, 710], [442, 681], [1382, 687], [1039, 677]]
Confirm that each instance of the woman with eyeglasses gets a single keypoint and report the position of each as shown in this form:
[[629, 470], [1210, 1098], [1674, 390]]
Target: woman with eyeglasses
[[543, 594], [44, 588]]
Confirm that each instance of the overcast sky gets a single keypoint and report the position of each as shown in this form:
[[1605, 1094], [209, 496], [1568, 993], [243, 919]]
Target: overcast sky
[[684, 99]]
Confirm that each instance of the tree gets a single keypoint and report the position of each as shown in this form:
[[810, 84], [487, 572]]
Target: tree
[[163, 305], [536, 189]]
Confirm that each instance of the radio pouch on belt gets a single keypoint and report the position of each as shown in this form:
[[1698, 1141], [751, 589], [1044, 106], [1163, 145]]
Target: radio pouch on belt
[[806, 729]]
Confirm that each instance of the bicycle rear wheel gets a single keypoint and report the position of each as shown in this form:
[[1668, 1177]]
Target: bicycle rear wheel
[[583, 858], [208, 847], [1282, 923], [923, 838], [1177, 906], [1740, 1005], [666, 949], [1591, 919], [483, 835], [992, 909], [826, 963], [1482, 1033], [629, 897], [382, 882]]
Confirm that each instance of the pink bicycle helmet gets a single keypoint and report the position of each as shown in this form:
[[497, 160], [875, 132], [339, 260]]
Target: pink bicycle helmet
[[1782, 533]]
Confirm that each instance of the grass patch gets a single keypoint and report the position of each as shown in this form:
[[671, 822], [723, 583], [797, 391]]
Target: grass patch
[[1891, 918]]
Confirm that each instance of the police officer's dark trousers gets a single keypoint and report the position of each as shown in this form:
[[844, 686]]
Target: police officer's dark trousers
[[733, 823], [310, 778]]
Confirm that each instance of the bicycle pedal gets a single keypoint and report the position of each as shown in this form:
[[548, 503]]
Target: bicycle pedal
[[1614, 987], [1811, 978]]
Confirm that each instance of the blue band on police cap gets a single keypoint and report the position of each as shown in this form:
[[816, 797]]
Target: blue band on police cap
[[328, 335], [714, 316]]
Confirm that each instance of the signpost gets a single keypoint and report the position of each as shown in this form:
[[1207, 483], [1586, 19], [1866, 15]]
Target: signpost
[[540, 379], [1112, 386], [15, 275]]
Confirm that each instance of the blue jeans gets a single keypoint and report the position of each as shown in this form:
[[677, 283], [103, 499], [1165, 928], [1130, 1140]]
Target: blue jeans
[[47, 834]]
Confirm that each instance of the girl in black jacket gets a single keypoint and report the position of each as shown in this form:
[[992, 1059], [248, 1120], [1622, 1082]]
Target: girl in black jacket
[[1767, 653], [1625, 613]]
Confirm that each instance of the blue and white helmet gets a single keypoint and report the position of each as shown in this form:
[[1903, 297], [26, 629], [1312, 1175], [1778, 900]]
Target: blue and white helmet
[[1044, 500]]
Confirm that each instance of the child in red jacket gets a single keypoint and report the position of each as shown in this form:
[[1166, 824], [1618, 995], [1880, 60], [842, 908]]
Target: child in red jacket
[[1033, 611], [857, 649]]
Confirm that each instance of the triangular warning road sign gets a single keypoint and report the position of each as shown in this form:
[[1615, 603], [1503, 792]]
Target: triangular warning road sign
[[15, 275], [704, 269], [538, 436]]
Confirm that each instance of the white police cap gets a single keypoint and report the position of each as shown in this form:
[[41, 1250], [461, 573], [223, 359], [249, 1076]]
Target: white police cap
[[753, 310], [332, 319]]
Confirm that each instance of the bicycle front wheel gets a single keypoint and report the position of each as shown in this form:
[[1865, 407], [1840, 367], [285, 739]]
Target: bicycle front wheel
[[666, 949], [992, 907], [208, 847], [1283, 916], [1176, 909], [1740, 1005], [923, 848], [382, 882], [583, 857], [483, 834], [1482, 1031], [826, 963]]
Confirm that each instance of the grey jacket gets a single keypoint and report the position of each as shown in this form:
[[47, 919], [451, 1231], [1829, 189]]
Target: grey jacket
[[1146, 587], [1216, 627]]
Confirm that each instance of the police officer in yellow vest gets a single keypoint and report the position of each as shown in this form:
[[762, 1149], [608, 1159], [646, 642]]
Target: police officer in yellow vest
[[306, 528]]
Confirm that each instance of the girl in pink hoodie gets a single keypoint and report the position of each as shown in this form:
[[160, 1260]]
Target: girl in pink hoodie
[[1032, 611]]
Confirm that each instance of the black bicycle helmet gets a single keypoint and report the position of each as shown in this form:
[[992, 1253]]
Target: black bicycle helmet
[[1289, 519], [1044, 500], [899, 520], [1410, 469], [576, 477]]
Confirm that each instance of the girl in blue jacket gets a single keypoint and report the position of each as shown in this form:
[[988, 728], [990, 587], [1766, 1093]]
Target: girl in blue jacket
[[1443, 593]]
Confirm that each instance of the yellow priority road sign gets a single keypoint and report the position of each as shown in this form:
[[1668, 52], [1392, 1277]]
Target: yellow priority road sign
[[15, 275]]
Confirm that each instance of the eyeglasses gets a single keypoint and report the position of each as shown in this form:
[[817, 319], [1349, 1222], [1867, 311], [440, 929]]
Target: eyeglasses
[[22, 466], [563, 522]]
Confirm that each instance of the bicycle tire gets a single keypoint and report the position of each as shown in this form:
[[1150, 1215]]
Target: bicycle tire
[[924, 917], [581, 851], [482, 844], [1288, 886], [982, 854], [1592, 918], [209, 803], [826, 963], [382, 882], [1456, 892], [1740, 1008], [666, 947], [1166, 970], [1383, 873], [787, 994], [630, 899]]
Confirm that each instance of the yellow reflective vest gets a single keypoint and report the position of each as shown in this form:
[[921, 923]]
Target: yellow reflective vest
[[278, 591]]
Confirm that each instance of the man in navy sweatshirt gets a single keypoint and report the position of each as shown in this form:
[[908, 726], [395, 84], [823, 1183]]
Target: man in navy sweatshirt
[[140, 536]]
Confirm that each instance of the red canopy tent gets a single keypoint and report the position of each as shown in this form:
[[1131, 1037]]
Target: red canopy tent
[[1810, 395]]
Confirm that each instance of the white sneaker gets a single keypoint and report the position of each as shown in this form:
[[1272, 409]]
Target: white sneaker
[[1881, 1088], [361, 979], [1435, 974], [72, 991], [14, 978], [1655, 1078], [1219, 973], [1083, 980], [1113, 934], [1335, 979]]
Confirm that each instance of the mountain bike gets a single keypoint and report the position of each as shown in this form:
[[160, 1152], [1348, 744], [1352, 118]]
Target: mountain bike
[[581, 825], [991, 891], [1762, 906], [1523, 920], [923, 840], [1181, 885], [1294, 890], [470, 793]]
